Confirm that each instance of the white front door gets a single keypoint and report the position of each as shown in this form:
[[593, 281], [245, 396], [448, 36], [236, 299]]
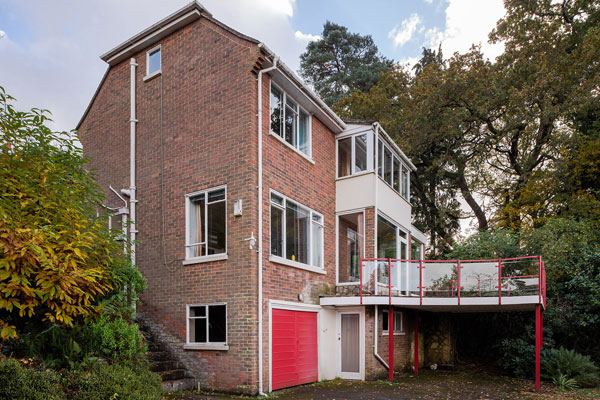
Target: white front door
[[351, 343]]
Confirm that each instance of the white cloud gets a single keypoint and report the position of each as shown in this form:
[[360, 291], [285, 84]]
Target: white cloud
[[58, 66], [403, 33], [467, 22], [306, 37], [2, 34], [429, 1]]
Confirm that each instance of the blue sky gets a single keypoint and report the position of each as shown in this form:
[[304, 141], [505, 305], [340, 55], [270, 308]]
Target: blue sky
[[49, 49]]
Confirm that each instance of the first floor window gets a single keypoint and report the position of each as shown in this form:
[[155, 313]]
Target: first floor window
[[207, 323], [296, 231], [154, 61], [398, 327], [289, 121], [206, 223]]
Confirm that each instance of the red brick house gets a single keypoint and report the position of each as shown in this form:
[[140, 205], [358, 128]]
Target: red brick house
[[257, 214]]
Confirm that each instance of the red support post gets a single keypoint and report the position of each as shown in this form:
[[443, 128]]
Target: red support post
[[538, 342], [416, 353], [391, 343]]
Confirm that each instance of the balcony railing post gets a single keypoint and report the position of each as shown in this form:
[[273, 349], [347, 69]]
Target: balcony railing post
[[499, 281], [361, 279], [540, 278], [390, 280], [421, 282], [458, 267]]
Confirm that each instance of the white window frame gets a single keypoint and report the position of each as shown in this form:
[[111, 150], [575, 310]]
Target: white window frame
[[283, 258], [362, 211], [158, 71], [188, 204], [299, 108], [385, 330], [370, 158], [207, 345]]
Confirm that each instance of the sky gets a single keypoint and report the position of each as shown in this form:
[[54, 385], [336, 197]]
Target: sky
[[49, 49]]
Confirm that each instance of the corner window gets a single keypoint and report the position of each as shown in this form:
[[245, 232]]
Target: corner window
[[153, 61], [393, 171], [296, 232], [207, 324], [206, 222], [354, 154], [289, 121], [398, 325]]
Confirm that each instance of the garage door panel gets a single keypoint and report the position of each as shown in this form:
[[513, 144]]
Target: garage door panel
[[294, 351]]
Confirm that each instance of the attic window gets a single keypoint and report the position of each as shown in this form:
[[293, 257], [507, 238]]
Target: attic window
[[153, 62]]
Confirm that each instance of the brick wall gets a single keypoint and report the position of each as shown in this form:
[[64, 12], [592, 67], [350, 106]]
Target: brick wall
[[207, 95]]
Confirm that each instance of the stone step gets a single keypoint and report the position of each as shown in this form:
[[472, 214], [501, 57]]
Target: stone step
[[177, 385], [164, 365], [173, 374], [154, 346], [158, 356]]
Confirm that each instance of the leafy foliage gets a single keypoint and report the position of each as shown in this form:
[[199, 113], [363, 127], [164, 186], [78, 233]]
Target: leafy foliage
[[58, 260], [341, 62], [562, 365], [18, 383], [562, 382]]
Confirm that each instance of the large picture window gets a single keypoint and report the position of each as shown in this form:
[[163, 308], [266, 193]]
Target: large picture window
[[296, 232], [206, 223], [207, 324], [289, 121]]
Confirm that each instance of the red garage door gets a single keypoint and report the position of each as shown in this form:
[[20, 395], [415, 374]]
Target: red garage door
[[294, 352]]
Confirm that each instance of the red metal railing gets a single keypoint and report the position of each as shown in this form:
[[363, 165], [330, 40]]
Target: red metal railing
[[454, 278]]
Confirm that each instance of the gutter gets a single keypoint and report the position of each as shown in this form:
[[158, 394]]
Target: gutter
[[260, 226]]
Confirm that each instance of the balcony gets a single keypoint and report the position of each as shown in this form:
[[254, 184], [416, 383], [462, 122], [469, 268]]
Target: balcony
[[510, 284]]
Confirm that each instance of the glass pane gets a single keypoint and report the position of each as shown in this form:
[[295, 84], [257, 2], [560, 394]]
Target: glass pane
[[276, 110], [344, 157], [199, 311], [276, 231], [198, 330], [396, 180], [386, 239], [276, 199], [397, 321], [303, 133], [360, 153], [317, 245], [415, 250], [350, 343], [196, 228], [217, 324], [350, 237], [440, 279], [297, 221], [216, 195], [379, 163], [479, 279], [216, 228], [290, 126], [387, 165], [385, 321], [154, 62], [404, 182]]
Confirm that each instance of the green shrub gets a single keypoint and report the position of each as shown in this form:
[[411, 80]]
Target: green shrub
[[518, 357], [570, 365], [18, 383], [104, 381], [562, 382], [117, 340]]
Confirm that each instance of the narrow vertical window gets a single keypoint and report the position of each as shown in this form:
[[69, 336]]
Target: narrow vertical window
[[153, 60], [276, 225], [405, 183], [276, 111], [387, 165], [396, 180], [344, 157], [317, 240], [360, 153]]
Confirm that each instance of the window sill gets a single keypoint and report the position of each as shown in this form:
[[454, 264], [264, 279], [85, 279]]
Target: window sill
[[204, 259], [152, 75], [296, 264], [307, 158], [211, 346], [341, 178], [395, 333]]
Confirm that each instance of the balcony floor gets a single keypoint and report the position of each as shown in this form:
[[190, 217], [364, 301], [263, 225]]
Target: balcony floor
[[441, 304]]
